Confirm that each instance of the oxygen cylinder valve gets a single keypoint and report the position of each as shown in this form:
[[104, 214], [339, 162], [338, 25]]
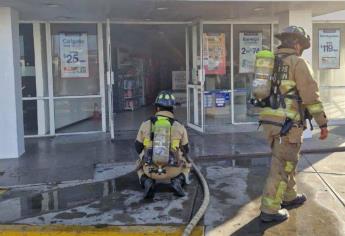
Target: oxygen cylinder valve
[[161, 171], [158, 171]]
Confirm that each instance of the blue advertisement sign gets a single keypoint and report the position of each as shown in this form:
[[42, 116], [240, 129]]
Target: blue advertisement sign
[[220, 99]]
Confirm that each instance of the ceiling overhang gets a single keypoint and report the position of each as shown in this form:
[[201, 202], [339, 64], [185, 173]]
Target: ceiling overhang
[[159, 10]]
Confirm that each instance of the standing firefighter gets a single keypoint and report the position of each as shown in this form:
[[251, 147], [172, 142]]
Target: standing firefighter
[[292, 98], [162, 145]]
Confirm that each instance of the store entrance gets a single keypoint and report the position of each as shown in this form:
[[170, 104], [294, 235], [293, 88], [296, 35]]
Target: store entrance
[[145, 60]]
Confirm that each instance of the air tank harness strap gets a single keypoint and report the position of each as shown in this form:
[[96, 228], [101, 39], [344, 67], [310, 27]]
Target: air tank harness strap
[[289, 96], [266, 122], [278, 97], [305, 115], [285, 128]]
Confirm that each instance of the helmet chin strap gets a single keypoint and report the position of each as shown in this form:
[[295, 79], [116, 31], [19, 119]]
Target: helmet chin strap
[[299, 49]]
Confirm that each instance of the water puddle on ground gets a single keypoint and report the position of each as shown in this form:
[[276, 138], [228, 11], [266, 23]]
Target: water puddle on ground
[[55, 200], [60, 199]]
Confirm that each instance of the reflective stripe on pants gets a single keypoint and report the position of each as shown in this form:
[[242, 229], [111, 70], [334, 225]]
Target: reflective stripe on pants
[[281, 184]]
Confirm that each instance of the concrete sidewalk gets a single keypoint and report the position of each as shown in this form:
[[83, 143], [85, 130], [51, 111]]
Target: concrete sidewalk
[[67, 158], [88, 180], [235, 186], [253, 144]]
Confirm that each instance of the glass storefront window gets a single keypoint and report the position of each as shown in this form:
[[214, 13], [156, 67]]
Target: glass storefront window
[[30, 117], [78, 115], [75, 59], [27, 60], [331, 81], [217, 65], [76, 73], [258, 37]]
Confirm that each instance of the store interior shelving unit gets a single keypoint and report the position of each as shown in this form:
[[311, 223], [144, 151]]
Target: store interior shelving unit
[[129, 82]]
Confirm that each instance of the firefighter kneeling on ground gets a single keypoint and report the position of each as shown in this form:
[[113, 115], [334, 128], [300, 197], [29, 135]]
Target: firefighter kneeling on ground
[[162, 146], [293, 97]]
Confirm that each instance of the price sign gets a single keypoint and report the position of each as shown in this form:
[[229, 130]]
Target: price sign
[[74, 55], [329, 49], [250, 44]]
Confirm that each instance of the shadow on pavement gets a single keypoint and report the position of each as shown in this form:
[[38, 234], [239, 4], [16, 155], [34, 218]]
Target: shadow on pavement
[[253, 228]]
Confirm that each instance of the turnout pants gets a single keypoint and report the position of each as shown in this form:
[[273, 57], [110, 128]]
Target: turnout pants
[[281, 183]]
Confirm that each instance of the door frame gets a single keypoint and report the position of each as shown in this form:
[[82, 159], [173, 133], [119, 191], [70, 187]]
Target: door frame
[[192, 31], [110, 76], [101, 50], [110, 82]]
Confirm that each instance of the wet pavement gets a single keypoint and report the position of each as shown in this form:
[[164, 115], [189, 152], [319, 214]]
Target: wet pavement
[[88, 180], [69, 158], [235, 186], [236, 200], [112, 202]]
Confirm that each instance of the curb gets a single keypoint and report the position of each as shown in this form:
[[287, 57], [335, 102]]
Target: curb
[[103, 230]]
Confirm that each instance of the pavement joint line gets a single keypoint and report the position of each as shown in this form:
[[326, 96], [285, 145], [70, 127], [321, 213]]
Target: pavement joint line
[[328, 173], [262, 154], [323, 173], [307, 172], [54, 186], [77, 230], [336, 194]]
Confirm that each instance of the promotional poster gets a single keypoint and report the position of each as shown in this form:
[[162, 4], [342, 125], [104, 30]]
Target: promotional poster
[[250, 44], [214, 54], [329, 49], [74, 55]]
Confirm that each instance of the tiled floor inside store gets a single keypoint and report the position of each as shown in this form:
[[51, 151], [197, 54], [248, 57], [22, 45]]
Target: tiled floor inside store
[[129, 121]]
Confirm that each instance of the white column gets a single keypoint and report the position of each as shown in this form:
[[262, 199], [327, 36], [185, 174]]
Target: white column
[[11, 108], [302, 18]]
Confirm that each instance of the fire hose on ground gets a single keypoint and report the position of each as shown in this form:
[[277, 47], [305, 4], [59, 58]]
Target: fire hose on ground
[[201, 212]]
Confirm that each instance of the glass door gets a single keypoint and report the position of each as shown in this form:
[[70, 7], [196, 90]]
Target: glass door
[[248, 39], [195, 77], [217, 63]]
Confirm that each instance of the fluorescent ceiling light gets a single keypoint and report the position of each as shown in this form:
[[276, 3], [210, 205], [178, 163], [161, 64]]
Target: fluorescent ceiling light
[[64, 18], [162, 8], [259, 9], [53, 5]]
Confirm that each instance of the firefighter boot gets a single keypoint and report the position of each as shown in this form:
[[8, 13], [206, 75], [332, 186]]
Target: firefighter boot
[[148, 185], [299, 200], [282, 215], [177, 183]]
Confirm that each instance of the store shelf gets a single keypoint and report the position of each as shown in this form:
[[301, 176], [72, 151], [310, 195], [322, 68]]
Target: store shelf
[[129, 83], [134, 97]]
